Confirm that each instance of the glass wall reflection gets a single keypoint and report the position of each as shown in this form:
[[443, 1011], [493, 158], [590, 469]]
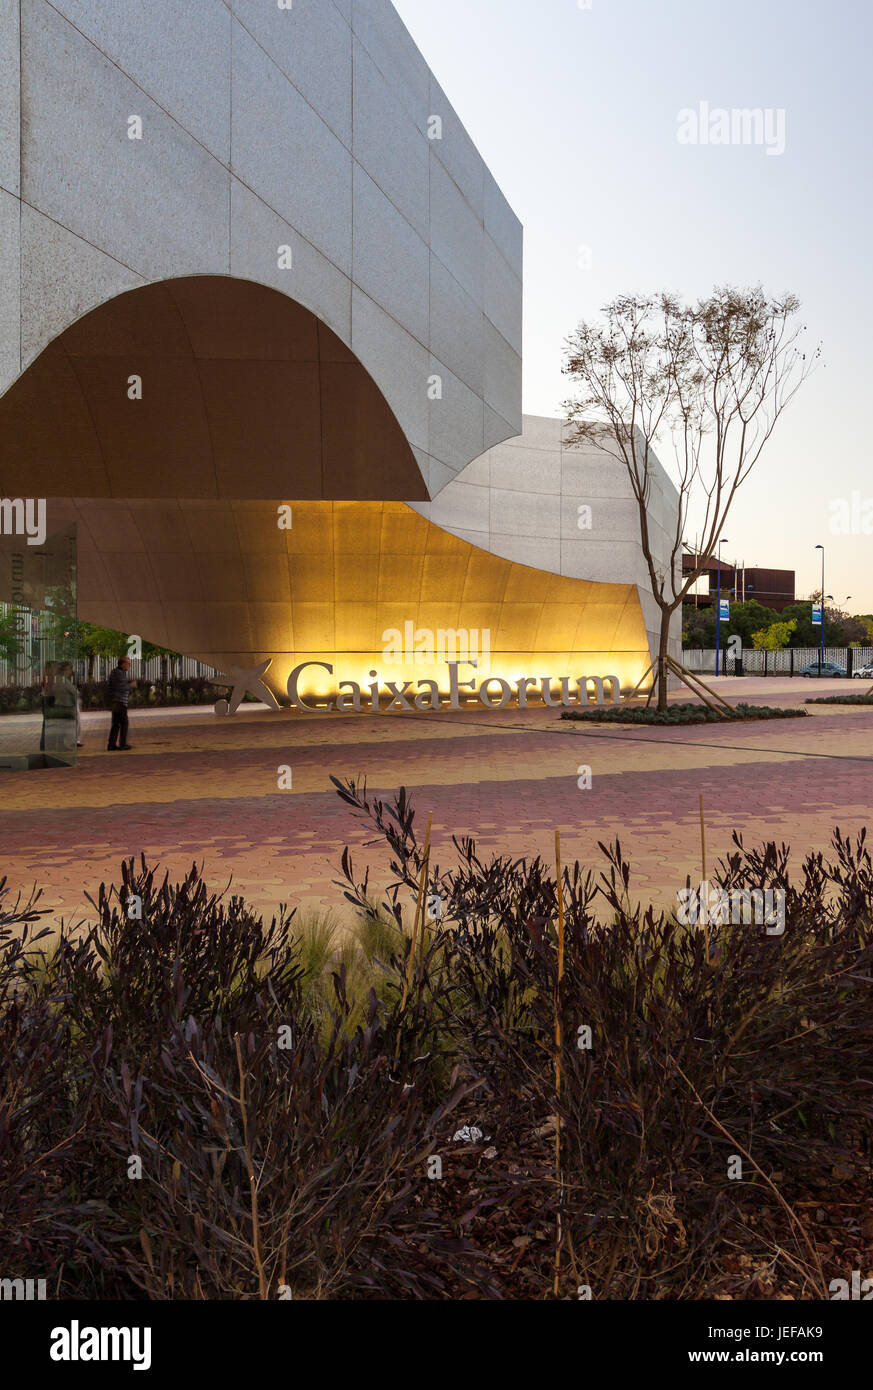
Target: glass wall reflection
[[39, 711]]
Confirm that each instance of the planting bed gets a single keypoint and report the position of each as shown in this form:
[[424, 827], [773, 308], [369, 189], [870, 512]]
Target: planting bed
[[688, 713]]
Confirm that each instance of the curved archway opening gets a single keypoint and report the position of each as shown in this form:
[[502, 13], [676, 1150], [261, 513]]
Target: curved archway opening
[[203, 387]]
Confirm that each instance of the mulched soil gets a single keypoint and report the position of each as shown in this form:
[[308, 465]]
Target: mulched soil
[[489, 1194]]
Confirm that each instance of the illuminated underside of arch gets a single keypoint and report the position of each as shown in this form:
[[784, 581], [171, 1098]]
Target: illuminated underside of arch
[[245, 394]]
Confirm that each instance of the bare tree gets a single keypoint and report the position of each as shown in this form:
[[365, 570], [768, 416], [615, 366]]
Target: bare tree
[[712, 379]]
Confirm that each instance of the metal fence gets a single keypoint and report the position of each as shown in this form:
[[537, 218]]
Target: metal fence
[[788, 662], [28, 670], [183, 668]]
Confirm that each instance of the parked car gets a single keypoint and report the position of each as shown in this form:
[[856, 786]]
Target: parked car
[[822, 668], [865, 673]]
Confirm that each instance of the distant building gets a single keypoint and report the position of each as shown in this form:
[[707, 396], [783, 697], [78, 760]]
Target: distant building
[[769, 587]]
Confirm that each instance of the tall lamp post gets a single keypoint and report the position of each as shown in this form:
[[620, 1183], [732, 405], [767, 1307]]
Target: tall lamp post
[[722, 542], [821, 658]]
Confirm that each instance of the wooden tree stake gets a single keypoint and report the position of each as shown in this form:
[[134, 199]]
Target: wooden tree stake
[[558, 1071], [422, 884], [703, 860]]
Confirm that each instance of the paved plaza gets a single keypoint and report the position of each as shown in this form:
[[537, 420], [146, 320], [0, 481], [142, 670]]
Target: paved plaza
[[197, 787]]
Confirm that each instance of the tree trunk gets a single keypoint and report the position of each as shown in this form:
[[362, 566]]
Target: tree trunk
[[662, 655]]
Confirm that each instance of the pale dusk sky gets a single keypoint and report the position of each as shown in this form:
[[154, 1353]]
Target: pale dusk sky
[[576, 111]]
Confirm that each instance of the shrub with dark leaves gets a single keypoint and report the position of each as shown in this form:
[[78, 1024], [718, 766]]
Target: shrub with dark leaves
[[44, 1107], [177, 1120], [697, 1061], [230, 1150]]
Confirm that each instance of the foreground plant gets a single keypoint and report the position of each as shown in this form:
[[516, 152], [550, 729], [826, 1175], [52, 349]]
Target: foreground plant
[[198, 1104], [696, 1064]]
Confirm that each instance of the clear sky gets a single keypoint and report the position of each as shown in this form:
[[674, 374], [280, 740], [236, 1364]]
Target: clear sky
[[576, 113]]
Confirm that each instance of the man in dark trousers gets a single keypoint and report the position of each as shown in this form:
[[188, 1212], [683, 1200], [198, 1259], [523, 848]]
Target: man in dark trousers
[[120, 686]]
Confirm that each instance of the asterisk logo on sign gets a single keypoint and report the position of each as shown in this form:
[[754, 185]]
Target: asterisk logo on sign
[[246, 683]]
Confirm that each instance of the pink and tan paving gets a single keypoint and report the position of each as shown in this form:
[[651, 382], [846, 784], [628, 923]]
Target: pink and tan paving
[[201, 788]]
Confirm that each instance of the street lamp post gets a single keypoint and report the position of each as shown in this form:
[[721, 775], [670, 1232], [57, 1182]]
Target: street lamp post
[[821, 658], [722, 542]]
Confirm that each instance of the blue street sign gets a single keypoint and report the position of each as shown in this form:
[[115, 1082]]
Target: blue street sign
[[724, 609], [816, 613]]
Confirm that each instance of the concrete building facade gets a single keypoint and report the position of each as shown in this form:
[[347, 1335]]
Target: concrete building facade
[[141, 144], [250, 259]]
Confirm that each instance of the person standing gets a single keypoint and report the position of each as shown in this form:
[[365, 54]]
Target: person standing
[[120, 686], [66, 706], [71, 685]]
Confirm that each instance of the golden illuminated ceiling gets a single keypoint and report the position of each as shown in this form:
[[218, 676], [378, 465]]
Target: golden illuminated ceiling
[[221, 581]]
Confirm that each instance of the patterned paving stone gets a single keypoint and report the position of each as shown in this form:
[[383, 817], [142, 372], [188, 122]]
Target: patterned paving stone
[[199, 788]]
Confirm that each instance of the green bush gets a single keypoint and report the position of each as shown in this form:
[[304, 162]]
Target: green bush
[[687, 713], [17, 699], [194, 690], [840, 700]]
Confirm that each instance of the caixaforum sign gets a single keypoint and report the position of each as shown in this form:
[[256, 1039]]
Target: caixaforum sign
[[380, 696]]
